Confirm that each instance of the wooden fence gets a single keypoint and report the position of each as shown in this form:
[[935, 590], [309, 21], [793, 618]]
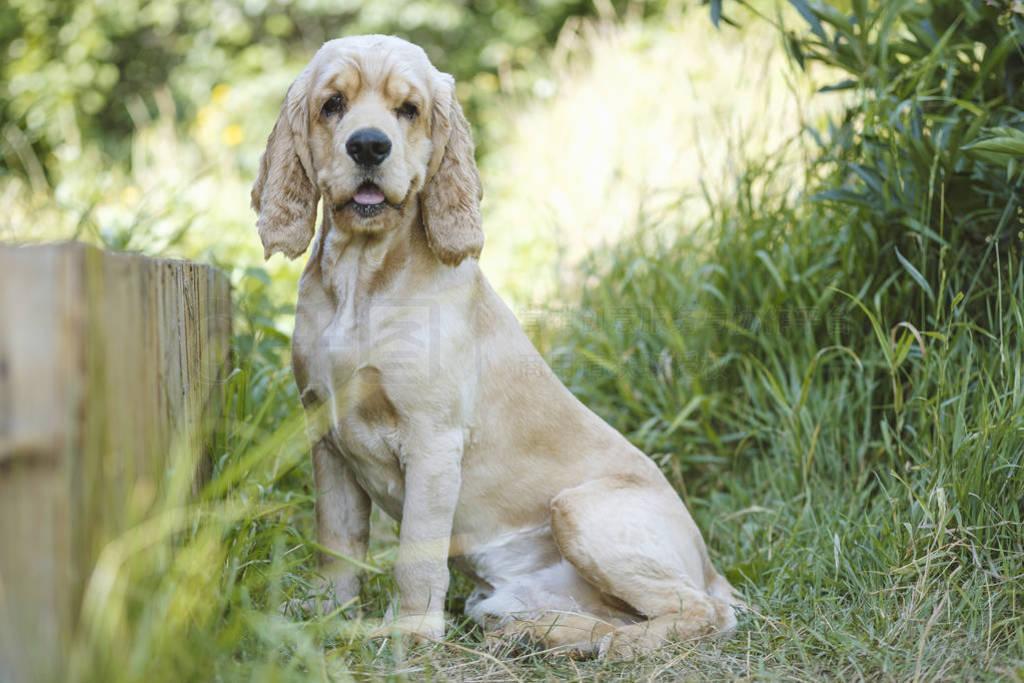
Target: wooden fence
[[110, 374]]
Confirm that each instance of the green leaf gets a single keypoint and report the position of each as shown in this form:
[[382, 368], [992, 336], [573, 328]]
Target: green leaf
[[916, 274], [810, 17], [969, 106], [841, 85], [843, 196], [793, 43], [764, 258], [870, 178], [876, 326], [684, 414], [1011, 146]]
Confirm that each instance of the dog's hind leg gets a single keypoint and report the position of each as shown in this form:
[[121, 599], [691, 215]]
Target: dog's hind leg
[[561, 631], [635, 540]]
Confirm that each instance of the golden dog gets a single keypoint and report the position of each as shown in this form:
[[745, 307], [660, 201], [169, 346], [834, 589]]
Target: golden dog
[[424, 395]]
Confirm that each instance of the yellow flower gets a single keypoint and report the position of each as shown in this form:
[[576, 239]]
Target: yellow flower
[[233, 135], [220, 93]]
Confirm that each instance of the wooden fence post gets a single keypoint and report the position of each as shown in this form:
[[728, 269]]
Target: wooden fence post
[[111, 367]]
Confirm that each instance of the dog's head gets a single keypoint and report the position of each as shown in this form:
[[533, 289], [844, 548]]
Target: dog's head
[[373, 128]]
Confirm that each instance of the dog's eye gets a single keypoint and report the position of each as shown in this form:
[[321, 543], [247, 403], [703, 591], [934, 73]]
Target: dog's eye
[[408, 111], [335, 104]]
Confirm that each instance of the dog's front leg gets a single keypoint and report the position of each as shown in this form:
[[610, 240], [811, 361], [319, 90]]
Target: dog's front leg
[[432, 481], [342, 521]]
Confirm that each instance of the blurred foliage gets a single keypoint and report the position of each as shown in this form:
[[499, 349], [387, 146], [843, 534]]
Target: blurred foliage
[[87, 69], [558, 184]]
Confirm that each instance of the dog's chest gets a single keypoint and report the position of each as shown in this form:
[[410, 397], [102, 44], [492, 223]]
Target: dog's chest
[[356, 363]]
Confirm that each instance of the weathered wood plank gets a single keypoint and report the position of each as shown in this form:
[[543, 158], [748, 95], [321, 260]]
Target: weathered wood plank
[[110, 371]]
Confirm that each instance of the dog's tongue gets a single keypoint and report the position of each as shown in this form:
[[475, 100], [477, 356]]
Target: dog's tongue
[[368, 193]]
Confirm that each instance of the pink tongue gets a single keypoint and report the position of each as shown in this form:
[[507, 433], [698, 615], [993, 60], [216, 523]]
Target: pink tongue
[[368, 194]]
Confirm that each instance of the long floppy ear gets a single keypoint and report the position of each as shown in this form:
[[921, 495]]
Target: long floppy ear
[[450, 200], [285, 194]]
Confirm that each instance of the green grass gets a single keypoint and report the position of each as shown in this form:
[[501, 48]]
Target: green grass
[[863, 491], [867, 497]]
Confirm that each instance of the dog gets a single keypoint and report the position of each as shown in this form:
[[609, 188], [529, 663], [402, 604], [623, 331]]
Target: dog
[[424, 395]]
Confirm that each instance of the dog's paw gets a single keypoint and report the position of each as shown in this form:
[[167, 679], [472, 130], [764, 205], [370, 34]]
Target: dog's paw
[[621, 646], [415, 629], [510, 639]]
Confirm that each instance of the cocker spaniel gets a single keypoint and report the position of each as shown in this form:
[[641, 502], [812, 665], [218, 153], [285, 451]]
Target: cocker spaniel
[[424, 395]]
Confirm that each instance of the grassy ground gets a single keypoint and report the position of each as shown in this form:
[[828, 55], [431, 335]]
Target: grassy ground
[[851, 447], [864, 496]]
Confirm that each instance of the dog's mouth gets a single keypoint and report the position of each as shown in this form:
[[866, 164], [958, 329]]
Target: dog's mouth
[[368, 201]]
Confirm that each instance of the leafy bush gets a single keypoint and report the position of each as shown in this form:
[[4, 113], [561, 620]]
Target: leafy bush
[[928, 179]]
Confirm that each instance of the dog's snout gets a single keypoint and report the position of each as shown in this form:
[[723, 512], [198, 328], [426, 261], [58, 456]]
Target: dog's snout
[[368, 146]]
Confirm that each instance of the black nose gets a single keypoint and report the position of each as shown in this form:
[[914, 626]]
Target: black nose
[[368, 147]]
